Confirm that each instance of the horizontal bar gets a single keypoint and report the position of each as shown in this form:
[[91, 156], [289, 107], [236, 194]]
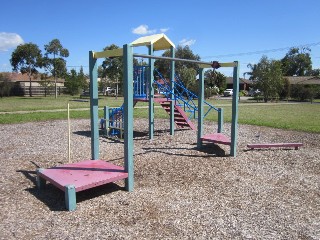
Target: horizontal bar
[[201, 64], [108, 53]]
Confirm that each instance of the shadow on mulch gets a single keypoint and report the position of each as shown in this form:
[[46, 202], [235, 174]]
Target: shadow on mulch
[[212, 150], [54, 198]]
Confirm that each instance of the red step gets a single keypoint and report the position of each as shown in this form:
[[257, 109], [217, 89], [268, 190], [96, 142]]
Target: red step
[[217, 138], [180, 117], [272, 145]]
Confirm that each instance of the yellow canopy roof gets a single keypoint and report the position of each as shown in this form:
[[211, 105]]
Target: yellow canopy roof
[[159, 41]]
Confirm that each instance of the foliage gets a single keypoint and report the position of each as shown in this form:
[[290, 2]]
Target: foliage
[[297, 62], [304, 92], [313, 72], [188, 76], [163, 66], [27, 58], [212, 79], [267, 77], [285, 92], [8, 88], [75, 82]]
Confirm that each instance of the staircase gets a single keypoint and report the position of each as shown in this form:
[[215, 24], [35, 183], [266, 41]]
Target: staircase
[[180, 118]]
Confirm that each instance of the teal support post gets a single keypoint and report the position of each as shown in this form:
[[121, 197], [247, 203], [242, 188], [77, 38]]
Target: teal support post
[[220, 120], [70, 197], [41, 183], [151, 93], [128, 115], [200, 107], [106, 118], [235, 101], [93, 71], [172, 70]]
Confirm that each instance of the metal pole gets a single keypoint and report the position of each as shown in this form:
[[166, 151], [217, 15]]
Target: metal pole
[[69, 137], [235, 101], [173, 59], [151, 93], [172, 103], [200, 108]]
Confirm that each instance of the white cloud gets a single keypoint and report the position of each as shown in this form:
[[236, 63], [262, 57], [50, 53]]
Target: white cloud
[[163, 30], [187, 42], [143, 30], [9, 40]]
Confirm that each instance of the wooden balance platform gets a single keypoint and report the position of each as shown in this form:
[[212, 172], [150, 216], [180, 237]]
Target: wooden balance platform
[[275, 145], [76, 177]]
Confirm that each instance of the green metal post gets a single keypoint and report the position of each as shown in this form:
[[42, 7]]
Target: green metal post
[[151, 93], [70, 197], [172, 70], [41, 183], [93, 71], [220, 120], [128, 116], [235, 101], [200, 107]]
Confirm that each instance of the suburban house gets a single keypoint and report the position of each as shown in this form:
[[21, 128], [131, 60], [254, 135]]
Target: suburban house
[[38, 85], [245, 84]]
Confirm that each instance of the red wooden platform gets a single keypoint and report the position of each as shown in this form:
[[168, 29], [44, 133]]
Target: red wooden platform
[[217, 138], [272, 145], [83, 175]]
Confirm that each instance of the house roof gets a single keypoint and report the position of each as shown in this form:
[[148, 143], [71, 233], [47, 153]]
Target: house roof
[[229, 80], [19, 77], [159, 41], [305, 80]]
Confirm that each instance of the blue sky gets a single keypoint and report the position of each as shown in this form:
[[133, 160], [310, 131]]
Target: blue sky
[[215, 30]]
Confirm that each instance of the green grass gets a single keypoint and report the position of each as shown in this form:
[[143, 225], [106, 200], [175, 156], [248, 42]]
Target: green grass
[[298, 116]]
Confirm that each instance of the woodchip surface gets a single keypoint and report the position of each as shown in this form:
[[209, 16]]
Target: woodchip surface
[[180, 192]]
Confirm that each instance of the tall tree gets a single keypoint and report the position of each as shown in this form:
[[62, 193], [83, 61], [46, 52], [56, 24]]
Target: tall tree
[[57, 64], [267, 76], [27, 58], [181, 52], [297, 62], [212, 79]]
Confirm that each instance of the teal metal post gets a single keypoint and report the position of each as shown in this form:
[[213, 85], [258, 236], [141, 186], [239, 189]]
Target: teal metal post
[[235, 101], [70, 197], [220, 120], [200, 107], [172, 70], [151, 93], [93, 71], [128, 115], [41, 182]]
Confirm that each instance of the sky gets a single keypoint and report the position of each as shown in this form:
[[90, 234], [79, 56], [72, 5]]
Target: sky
[[223, 31]]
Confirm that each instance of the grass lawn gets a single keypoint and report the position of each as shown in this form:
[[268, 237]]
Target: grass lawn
[[297, 116]]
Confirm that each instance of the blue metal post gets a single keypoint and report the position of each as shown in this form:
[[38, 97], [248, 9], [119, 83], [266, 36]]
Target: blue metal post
[[128, 115], [200, 107], [172, 70], [106, 119], [220, 120], [93, 71], [235, 100], [151, 93]]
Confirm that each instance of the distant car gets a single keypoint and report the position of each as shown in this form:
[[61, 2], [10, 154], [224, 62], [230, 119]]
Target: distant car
[[228, 92]]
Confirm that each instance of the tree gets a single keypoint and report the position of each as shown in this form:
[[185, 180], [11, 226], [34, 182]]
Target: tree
[[26, 58], [75, 82], [267, 76], [57, 66], [213, 79], [46, 83], [313, 72], [163, 66], [297, 62]]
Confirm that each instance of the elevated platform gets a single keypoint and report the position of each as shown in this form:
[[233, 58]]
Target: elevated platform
[[76, 177], [275, 145], [216, 138]]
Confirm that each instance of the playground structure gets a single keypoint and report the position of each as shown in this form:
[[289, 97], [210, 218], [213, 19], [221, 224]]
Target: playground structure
[[75, 177]]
